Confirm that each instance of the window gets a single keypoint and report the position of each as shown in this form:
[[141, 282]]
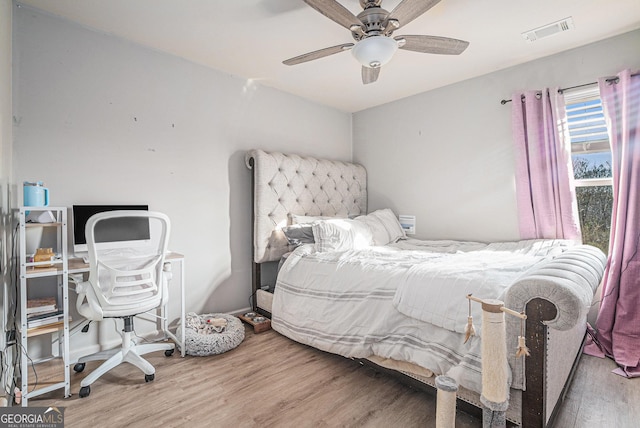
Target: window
[[592, 166]]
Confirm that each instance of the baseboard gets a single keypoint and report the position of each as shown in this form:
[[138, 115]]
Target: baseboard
[[241, 311]]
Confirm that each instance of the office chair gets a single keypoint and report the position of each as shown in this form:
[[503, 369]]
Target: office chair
[[124, 280]]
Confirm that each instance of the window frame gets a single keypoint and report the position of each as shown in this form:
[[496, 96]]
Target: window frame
[[590, 129]]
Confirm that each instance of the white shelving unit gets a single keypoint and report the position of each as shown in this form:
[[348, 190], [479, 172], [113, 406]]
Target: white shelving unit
[[44, 279]]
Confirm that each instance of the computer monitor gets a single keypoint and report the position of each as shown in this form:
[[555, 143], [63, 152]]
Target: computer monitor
[[133, 230]]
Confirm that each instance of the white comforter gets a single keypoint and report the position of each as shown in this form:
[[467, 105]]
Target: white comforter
[[435, 290], [406, 301]]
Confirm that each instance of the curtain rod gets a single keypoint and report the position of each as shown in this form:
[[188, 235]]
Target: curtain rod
[[561, 90]]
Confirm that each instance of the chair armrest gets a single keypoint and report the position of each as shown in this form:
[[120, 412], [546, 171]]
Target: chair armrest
[[88, 307]]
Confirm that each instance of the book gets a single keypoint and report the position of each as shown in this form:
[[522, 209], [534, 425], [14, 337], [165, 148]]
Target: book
[[45, 319], [43, 312], [39, 306], [44, 315]]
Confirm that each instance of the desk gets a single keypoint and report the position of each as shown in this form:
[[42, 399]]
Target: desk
[[77, 265]]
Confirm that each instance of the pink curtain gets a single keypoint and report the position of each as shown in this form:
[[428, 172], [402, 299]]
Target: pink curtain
[[547, 206], [618, 324]]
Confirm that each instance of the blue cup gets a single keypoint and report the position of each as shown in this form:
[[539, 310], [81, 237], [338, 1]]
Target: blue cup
[[35, 194]]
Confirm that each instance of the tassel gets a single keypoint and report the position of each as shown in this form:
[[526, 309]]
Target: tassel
[[522, 348], [469, 329]]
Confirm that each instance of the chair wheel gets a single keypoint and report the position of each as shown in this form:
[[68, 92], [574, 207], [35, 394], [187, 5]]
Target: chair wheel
[[149, 377], [169, 352], [85, 391], [78, 368]]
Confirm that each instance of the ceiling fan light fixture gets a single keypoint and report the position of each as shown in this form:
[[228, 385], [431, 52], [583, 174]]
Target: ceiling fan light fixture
[[374, 51]]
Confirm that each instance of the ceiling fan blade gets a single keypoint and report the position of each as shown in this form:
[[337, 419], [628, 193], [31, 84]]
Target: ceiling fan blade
[[370, 75], [335, 12], [408, 10], [310, 56], [432, 44]]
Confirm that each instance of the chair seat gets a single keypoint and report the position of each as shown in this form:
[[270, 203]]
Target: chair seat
[[120, 306], [114, 312]]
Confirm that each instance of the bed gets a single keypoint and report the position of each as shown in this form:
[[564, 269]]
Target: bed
[[358, 287]]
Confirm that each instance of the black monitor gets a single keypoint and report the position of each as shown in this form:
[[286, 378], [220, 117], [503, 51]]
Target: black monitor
[[130, 229]]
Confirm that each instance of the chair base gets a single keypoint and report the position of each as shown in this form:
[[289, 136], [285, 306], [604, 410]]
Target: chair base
[[130, 352]]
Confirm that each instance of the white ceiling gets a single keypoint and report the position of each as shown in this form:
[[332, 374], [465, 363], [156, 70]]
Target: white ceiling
[[251, 38]]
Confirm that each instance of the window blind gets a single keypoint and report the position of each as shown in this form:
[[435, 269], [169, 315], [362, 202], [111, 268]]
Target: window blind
[[586, 122]]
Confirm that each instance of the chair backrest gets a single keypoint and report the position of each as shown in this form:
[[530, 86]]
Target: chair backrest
[[123, 274]]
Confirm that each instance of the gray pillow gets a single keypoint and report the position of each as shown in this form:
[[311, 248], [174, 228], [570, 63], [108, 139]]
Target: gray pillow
[[299, 234]]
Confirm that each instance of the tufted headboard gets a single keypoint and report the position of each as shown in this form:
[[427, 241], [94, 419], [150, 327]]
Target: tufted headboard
[[285, 184]]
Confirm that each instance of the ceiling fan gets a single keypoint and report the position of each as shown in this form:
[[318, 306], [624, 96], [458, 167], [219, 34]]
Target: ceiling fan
[[372, 31]]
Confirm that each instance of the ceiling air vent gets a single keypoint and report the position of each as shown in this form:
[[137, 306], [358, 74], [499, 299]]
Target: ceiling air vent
[[548, 30]]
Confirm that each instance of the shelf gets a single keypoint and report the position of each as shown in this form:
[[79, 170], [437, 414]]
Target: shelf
[[30, 225], [50, 377], [44, 263], [35, 272], [44, 329], [48, 276]]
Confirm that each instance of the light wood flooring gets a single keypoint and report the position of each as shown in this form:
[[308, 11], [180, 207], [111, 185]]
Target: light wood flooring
[[271, 381]]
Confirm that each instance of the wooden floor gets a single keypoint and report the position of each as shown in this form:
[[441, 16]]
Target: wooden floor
[[270, 381]]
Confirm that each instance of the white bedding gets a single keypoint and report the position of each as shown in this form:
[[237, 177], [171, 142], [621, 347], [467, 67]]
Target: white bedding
[[435, 291], [375, 301]]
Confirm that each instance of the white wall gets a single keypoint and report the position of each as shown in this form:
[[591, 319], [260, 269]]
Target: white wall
[[5, 149], [101, 120], [446, 155], [6, 129]]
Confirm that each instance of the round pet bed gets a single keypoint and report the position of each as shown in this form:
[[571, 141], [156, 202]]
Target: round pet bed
[[211, 343]]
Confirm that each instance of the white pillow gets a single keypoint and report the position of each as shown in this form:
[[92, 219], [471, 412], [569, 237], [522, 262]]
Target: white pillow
[[379, 233], [341, 235], [384, 226]]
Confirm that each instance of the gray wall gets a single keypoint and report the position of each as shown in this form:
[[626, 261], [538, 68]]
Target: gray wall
[[446, 155], [101, 120], [6, 141]]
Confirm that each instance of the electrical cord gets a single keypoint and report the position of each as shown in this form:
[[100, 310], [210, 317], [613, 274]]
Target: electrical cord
[[33, 367], [9, 382], [4, 368], [14, 274], [252, 296], [20, 349], [17, 364]]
